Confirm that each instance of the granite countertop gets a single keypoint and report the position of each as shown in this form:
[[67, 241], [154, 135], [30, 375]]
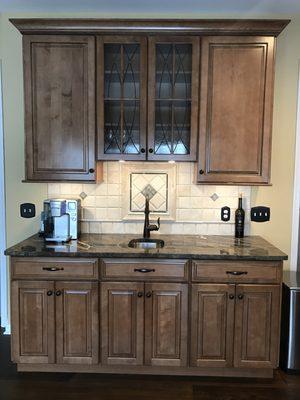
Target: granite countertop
[[176, 246]]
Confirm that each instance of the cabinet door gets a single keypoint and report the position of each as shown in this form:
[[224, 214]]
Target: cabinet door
[[236, 109], [212, 324], [32, 313], [257, 326], [121, 97], [166, 322], [77, 314], [122, 323], [173, 87], [59, 76]]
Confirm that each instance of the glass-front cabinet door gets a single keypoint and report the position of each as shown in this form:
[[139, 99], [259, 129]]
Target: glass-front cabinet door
[[121, 97], [173, 86]]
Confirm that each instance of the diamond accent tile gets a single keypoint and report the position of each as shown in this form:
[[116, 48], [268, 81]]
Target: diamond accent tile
[[151, 185], [149, 191], [83, 195], [214, 197]]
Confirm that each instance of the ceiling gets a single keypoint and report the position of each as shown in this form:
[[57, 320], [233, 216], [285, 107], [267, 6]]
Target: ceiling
[[252, 7]]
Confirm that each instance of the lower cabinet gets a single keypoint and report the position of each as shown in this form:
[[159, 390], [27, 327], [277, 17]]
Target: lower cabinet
[[235, 325], [144, 323], [55, 322]]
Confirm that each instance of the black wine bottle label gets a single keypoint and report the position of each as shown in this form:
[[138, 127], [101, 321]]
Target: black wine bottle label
[[239, 220]]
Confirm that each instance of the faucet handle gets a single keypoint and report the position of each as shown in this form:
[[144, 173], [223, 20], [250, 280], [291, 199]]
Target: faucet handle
[[158, 223]]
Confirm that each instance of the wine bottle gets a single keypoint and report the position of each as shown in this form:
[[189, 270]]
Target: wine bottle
[[239, 219]]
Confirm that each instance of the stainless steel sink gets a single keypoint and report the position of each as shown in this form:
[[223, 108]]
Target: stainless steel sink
[[146, 243]]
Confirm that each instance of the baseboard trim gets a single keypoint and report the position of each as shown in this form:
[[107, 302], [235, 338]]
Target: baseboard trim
[[145, 370]]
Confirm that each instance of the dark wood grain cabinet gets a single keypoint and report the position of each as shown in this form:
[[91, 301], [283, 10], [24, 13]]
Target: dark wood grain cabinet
[[235, 126], [144, 324], [235, 325], [158, 90], [59, 94], [55, 322], [146, 315]]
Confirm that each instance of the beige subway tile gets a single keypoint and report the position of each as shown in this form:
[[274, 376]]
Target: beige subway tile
[[113, 167], [85, 227], [189, 215], [183, 179], [201, 229], [197, 190], [176, 228], [95, 227], [213, 229], [113, 189], [118, 227], [197, 202], [107, 227], [227, 191], [184, 167], [189, 229], [101, 214], [53, 189], [101, 201], [184, 202], [113, 177], [114, 213], [89, 201], [183, 190], [89, 213], [89, 189], [101, 189]]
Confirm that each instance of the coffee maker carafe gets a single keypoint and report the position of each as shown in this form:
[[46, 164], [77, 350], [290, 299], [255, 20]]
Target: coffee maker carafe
[[60, 220]]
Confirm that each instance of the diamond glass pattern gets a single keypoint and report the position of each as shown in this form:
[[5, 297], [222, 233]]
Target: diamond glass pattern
[[121, 101], [173, 98]]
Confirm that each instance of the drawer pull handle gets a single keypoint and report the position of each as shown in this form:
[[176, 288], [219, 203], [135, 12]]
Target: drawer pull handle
[[144, 270], [58, 293], [49, 293], [148, 294], [240, 296], [231, 296], [140, 294], [52, 269], [236, 273]]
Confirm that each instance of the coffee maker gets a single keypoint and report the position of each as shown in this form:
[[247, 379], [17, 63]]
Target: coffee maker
[[60, 220]]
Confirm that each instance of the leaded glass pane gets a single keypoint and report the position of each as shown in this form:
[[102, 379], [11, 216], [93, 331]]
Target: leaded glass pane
[[122, 94], [173, 99]]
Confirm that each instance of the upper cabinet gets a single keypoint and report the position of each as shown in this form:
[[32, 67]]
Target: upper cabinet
[[158, 90], [121, 97], [59, 93], [236, 110], [173, 84]]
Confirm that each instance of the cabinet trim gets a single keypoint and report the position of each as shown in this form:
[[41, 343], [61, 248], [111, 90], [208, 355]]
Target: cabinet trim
[[270, 27]]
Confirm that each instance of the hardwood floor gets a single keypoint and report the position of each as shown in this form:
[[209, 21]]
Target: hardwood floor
[[42, 386]]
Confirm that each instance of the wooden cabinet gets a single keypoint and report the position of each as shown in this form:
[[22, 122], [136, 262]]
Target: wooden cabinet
[[144, 323], [173, 85], [122, 323], [212, 325], [166, 324], [59, 93], [235, 325], [257, 326], [33, 322], [236, 110], [121, 97], [55, 322]]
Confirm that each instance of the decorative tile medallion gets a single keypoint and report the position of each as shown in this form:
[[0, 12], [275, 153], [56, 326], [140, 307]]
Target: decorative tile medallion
[[151, 185], [214, 197]]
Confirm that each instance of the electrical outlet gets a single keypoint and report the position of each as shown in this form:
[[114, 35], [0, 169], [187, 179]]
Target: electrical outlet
[[27, 210], [260, 214], [225, 214]]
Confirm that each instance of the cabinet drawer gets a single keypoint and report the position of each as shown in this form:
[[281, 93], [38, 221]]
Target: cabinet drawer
[[140, 270], [53, 268], [252, 272]]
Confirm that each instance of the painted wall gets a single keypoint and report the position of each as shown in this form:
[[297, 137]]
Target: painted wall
[[278, 231]]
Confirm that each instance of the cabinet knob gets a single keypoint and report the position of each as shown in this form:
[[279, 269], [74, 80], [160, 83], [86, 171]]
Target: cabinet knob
[[231, 296], [240, 296], [143, 150], [201, 172], [148, 294], [150, 150], [58, 292], [140, 294], [49, 293], [91, 170]]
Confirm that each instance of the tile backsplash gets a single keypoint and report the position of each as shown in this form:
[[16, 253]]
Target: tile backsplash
[[116, 204]]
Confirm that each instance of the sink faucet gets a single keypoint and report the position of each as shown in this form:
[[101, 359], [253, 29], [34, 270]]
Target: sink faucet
[[147, 226]]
